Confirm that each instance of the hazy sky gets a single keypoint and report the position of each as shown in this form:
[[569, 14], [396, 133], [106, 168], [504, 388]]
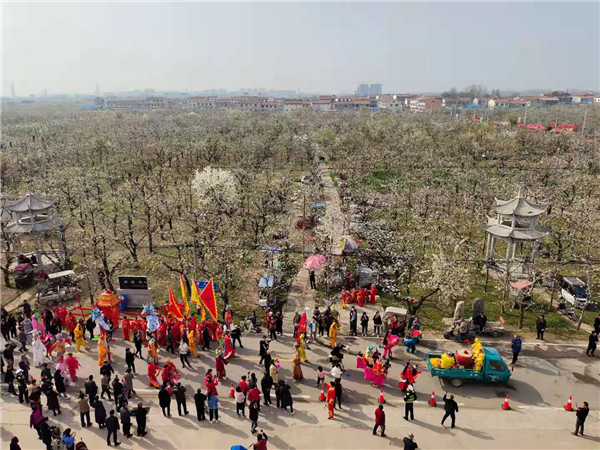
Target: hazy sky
[[324, 47]]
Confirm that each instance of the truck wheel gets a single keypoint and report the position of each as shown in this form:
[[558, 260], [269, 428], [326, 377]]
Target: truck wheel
[[457, 382], [495, 333]]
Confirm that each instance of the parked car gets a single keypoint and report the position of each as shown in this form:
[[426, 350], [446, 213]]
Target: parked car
[[573, 291], [23, 275]]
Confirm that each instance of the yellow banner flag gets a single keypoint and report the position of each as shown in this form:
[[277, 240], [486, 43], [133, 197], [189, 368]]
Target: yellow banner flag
[[196, 300], [184, 296]]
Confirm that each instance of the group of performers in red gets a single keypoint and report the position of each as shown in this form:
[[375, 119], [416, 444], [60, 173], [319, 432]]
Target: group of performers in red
[[360, 296], [170, 333]]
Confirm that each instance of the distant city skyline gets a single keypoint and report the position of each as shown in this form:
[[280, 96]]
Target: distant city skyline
[[311, 47]]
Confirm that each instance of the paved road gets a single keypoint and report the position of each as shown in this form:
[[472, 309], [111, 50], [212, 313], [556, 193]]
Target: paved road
[[540, 385], [350, 429]]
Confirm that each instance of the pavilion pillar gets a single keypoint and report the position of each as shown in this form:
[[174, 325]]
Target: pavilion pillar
[[490, 252], [508, 250]]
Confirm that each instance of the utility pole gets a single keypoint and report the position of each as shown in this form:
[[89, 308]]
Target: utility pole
[[584, 117]]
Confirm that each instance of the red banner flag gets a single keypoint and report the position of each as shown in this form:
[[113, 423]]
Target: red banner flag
[[209, 299], [174, 308], [302, 324]]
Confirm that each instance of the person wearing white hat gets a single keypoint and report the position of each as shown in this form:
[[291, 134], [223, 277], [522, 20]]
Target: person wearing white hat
[[409, 400]]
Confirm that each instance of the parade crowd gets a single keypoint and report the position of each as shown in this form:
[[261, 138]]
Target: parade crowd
[[110, 395]]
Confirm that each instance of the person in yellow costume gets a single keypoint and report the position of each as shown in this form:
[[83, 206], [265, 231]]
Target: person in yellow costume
[[192, 339], [333, 331], [103, 351], [479, 361], [302, 348], [79, 340], [152, 351], [476, 347]]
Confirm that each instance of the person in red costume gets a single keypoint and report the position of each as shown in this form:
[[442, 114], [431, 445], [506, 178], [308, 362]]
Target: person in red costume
[[162, 333], [176, 332], [152, 374], [73, 365], [220, 363], [126, 328], [373, 294], [211, 383], [71, 325], [408, 376], [352, 295], [229, 349], [330, 399], [362, 294]]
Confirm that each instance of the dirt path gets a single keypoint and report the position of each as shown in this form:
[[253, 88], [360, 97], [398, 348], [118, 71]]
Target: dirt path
[[301, 295]]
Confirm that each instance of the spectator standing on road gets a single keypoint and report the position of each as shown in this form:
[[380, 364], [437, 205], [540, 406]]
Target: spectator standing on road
[[35, 419], [592, 343], [138, 342], [263, 347], [377, 321], [266, 383], [105, 384], [261, 441], [180, 398], [240, 402], [338, 393], [184, 350], [379, 421], [516, 344], [409, 442], [313, 279], [409, 403], [68, 439], [126, 419], [112, 426], [286, 396], [141, 413], [128, 383], [14, 444], [130, 359], [597, 324], [213, 408], [200, 401], [164, 400], [582, 413], [117, 388], [46, 433], [451, 408], [52, 401], [540, 326], [364, 323], [100, 413], [84, 411], [353, 321], [107, 368], [91, 389], [253, 413], [22, 338], [236, 335]]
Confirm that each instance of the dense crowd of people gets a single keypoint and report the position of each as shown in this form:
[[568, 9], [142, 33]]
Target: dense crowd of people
[[51, 332]]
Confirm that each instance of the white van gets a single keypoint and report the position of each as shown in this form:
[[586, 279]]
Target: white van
[[573, 291]]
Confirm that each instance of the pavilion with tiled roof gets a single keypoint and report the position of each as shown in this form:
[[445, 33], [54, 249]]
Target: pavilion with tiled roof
[[515, 223]]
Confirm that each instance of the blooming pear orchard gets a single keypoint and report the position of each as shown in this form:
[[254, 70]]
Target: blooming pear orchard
[[204, 194]]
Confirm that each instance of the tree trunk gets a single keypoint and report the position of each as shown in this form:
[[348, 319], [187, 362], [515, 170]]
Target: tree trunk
[[6, 277]]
